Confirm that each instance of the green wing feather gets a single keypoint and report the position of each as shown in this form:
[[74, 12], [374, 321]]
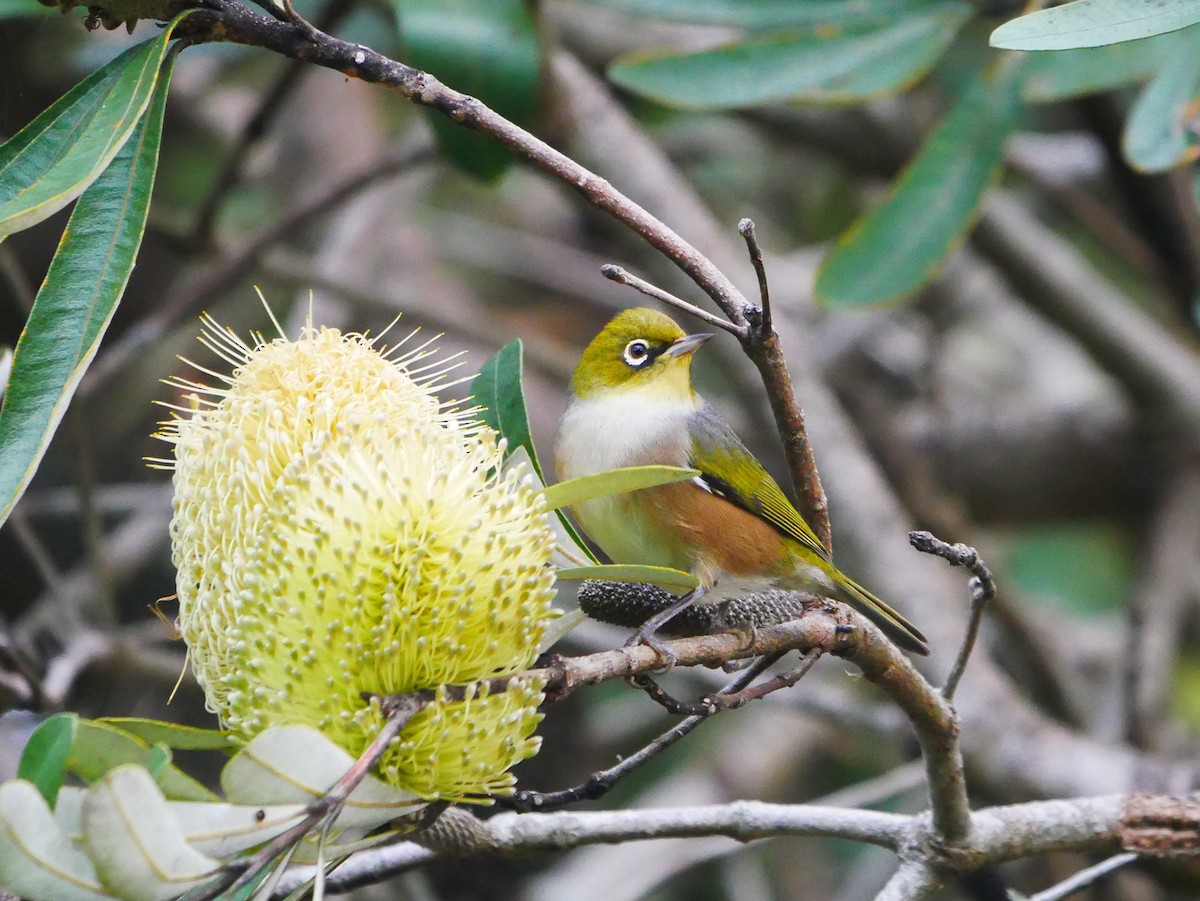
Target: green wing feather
[[733, 472]]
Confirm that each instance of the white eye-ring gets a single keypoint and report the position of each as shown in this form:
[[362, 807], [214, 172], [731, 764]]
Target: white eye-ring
[[637, 353]]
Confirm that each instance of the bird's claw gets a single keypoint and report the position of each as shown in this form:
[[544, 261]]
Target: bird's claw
[[666, 659]]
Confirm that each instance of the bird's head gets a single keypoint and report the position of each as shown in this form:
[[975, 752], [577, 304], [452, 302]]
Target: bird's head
[[639, 350]]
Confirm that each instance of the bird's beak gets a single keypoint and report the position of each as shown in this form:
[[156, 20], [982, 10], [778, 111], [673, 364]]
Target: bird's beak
[[686, 345]]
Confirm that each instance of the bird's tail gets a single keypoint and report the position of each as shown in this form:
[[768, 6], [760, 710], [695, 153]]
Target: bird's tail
[[889, 620]]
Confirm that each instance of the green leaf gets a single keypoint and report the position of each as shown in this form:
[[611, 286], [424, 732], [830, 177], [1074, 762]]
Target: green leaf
[[499, 390], [159, 759], [899, 246], [822, 63], [100, 748], [486, 48], [1158, 133], [44, 760], [1095, 23], [615, 481], [173, 735], [631, 572], [767, 13], [1057, 76], [37, 857], [76, 301], [53, 159]]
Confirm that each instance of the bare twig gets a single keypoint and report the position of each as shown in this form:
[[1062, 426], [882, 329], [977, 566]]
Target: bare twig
[[622, 276], [598, 784], [767, 356], [733, 698], [400, 709], [983, 589], [1085, 878], [273, 101], [936, 726], [746, 230], [230, 21], [915, 879], [1003, 834]]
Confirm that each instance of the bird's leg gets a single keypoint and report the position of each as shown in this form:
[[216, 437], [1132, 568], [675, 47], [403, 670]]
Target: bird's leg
[[648, 633]]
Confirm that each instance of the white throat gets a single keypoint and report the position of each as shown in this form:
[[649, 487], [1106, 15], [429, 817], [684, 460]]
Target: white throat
[[622, 428]]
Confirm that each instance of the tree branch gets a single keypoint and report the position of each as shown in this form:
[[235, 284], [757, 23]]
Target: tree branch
[[232, 22]]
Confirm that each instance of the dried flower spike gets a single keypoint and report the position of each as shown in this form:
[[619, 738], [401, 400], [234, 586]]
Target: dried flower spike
[[339, 530]]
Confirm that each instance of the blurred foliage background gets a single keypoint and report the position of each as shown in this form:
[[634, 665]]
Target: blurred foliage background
[[991, 257]]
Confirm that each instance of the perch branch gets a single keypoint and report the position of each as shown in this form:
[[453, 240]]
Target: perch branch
[[983, 589]]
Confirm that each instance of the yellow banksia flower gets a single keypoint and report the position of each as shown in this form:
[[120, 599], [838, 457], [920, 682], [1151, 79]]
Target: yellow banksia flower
[[339, 530]]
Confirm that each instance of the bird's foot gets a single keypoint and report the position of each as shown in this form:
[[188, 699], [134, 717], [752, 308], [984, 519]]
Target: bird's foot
[[649, 637]]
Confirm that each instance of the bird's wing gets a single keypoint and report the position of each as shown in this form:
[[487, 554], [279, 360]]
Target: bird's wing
[[724, 462]]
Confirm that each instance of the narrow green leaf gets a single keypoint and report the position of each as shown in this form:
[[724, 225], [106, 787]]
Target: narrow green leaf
[[100, 748], [173, 735], [1158, 133], [1095, 23], [77, 300], [498, 389], [898, 247], [821, 63], [159, 759], [615, 481], [1050, 77], [671, 579], [486, 48], [44, 760], [766, 13], [52, 160]]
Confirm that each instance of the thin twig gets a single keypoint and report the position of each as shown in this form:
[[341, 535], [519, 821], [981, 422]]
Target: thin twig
[[400, 710], [983, 589], [228, 20], [273, 102], [1084, 878], [746, 230], [915, 879], [622, 276], [599, 783]]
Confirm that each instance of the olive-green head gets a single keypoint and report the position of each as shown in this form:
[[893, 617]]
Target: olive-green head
[[639, 350]]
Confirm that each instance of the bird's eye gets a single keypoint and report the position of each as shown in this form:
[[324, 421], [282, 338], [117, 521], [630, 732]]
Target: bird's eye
[[637, 353]]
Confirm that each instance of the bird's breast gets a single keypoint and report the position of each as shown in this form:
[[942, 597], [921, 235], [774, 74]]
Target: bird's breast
[[598, 434]]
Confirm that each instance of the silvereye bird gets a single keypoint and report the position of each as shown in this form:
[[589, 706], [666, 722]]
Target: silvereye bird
[[731, 526]]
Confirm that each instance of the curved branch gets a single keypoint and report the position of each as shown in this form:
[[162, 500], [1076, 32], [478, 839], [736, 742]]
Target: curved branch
[[230, 21]]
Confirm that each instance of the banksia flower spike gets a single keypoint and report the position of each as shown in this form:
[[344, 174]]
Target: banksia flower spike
[[338, 530]]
